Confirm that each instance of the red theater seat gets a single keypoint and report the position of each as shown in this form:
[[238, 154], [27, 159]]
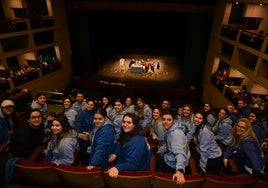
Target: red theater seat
[[35, 174], [75, 177], [129, 179], [229, 182], [162, 180], [260, 184]]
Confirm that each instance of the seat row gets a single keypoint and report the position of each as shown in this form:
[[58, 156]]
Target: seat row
[[34, 174]]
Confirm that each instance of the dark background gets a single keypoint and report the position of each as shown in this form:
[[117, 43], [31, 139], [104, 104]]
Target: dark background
[[99, 35]]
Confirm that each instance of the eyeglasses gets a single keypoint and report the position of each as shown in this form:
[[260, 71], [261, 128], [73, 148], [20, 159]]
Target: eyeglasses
[[9, 107], [241, 127], [36, 117]]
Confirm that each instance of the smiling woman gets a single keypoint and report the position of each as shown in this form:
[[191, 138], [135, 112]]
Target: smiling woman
[[103, 141], [246, 150], [63, 144], [131, 152]]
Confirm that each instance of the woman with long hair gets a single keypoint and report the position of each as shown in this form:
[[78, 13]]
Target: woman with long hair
[[144, 112], [69, 111], [102, 142], [186, 120], [157, 130], [222, 128], [256, 117], [132, 151], [117, 116], [207, 153], [63, 145], [245, 150]]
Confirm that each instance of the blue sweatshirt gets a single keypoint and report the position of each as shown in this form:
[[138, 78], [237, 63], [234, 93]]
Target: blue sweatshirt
[[249, 152], [133, 154], [102, 145]]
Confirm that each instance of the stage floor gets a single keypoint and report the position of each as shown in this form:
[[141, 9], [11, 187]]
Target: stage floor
[[167, 76]]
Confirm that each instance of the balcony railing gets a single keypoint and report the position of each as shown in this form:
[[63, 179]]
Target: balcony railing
[[230, 31], [251, 39]]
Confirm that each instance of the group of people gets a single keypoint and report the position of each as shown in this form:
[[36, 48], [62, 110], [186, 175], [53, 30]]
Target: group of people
[[82, 127], [148, 65], [233, 132], [113, 135]]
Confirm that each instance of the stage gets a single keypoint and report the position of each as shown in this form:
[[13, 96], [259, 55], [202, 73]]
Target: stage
[[116, 78], [166, 71]]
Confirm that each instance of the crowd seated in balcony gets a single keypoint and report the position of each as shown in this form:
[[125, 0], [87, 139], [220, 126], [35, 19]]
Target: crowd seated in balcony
[[194, 136]]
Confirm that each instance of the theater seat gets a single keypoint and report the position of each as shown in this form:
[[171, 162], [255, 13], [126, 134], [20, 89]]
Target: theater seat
[[75, 177], [260, 184], [35, 174], [164, 180], [229, 181], [129, 179]]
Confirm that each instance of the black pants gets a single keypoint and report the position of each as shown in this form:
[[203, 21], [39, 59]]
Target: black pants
[[213, 165], [83, 156], [161, 166]]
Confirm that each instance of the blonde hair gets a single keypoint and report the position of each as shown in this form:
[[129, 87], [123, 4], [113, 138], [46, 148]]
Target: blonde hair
[[191, 116], [248, 134], [140, 111]]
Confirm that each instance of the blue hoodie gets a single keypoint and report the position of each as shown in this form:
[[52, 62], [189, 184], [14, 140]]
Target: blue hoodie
[[176, 148], [64, 152], [206, 146], [116, 119], [4, 130], [4, 135], [259, 129], [133, 154], [84, 121], [223, 131], [103, 143], [249, 152]]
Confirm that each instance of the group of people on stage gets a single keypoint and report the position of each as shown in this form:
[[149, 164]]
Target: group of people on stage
[[147, 65]]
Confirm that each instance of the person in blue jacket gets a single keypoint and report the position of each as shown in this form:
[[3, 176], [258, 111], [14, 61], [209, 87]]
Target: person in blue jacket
[[63, 145], [84, 125], [132, 153], [232, 113], [68, 110], [103, 141], [207, 153], [84, 120], [256, 117], [245, 150], [223, 128], [243, 109], [116, 116], [173, 156], [144, 112], [8, 116]]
